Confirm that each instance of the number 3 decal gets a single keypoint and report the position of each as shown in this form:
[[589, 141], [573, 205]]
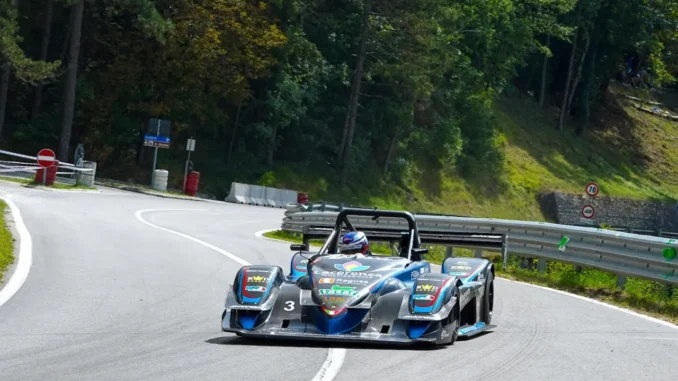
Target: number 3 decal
[[289, 306]]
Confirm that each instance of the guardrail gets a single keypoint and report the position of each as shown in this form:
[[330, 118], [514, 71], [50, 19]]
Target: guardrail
[[83, 173], [624, 254]]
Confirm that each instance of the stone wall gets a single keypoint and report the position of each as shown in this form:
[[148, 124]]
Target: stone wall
[[618, 212]]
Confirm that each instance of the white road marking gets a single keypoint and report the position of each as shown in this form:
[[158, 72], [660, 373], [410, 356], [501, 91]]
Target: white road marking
[[335, 356], [657, 338], [25, 255], [332, 365], [225, 253], [598, 302]]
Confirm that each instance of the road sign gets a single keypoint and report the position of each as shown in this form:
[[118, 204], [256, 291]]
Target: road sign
[[46, 157], [190, 146], [159, 127], [592, 189], [587, 211], [156, 141]]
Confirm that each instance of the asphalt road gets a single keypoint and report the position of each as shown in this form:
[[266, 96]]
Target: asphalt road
[[109, 297]]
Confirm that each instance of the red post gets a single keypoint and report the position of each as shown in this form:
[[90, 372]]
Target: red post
[[192, 183], [51, 174], [302, 198]]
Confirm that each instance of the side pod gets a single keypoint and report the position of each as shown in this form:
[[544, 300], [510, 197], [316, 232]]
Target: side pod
[[253, 284], [430, 292]]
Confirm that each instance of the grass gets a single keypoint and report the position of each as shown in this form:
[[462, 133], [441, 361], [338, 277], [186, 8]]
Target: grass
[[627, 152], [31, 183], [643, 296], [6, 242]]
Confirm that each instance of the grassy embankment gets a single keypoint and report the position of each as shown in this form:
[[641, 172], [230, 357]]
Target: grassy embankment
[[628, 154], [56, 185], [6, 242]]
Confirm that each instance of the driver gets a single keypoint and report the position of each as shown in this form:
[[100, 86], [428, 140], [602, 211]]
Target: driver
[[354, 243]]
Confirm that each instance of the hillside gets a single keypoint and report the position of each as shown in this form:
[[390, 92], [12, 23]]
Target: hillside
[[628, 153]]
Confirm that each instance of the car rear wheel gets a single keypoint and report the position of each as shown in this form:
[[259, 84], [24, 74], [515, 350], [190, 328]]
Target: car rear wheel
[[488, 299]]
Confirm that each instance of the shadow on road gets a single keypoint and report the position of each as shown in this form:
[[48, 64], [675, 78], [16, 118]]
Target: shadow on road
[[235, 340]]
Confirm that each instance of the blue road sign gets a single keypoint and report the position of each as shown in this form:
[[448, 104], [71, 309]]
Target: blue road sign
[[159, 139]]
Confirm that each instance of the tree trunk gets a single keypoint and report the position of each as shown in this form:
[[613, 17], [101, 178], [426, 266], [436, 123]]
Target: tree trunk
[[4, 84], [271, 147], [389, 153], [542, 92], [71, 81], [352, 112], [231, 144], [563, 108], [587, 43], [47, 30]]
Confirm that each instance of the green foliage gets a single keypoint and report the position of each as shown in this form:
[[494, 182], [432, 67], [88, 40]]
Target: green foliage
[[6, 242], [264, 88], [25, 69]]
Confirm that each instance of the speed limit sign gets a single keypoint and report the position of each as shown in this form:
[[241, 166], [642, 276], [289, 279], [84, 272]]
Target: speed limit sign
[[592, 189], [588, 211]]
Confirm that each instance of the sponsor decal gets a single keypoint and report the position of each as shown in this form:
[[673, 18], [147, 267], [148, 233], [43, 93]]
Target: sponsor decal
[[458, 273], [461, 268], [255, 288], [301, 266], [423, 297], [352, 281], [333, 302], [338, 290], [249, 270], [445, 334], [427, 287], [257, 279], [344, 274], [326, 280], [351, 266]]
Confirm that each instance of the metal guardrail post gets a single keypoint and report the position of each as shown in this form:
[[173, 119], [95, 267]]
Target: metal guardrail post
[[479, 253], [449, 252], [541, 265], [621, 281]]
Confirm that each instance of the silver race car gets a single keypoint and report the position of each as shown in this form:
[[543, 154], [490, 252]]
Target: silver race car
[[367, 298]]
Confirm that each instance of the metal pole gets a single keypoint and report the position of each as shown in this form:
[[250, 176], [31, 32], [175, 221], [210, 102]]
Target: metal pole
[[155, 155], [44, 176], [186, 169]]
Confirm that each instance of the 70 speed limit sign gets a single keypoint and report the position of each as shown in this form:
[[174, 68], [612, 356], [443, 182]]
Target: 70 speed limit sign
[[587, 211], [592, 189]]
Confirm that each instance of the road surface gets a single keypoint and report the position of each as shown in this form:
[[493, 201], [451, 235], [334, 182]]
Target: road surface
[[125, 286]]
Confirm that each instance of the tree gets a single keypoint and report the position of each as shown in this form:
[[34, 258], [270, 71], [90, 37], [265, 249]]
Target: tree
[[13, 58]]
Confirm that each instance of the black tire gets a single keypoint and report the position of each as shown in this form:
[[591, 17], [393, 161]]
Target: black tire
[[453, 325], [488, 299]]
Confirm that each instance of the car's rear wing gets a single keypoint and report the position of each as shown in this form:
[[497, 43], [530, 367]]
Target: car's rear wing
[[482, 241]]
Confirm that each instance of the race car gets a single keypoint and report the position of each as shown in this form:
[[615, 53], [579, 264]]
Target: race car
[[366, 297]]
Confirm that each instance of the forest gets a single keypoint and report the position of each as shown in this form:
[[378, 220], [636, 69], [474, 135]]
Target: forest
[[365, 92]]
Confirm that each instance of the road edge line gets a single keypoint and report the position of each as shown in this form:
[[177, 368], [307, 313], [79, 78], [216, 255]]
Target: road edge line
[[335, 356], [25, 255]]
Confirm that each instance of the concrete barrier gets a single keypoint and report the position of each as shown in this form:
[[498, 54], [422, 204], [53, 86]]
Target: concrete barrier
[[260, 195], [86, 178]]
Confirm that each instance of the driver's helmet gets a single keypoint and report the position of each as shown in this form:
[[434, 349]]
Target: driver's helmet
[[354, 243]]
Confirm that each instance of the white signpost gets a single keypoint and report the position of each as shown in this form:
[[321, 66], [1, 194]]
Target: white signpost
[[190, 147]]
